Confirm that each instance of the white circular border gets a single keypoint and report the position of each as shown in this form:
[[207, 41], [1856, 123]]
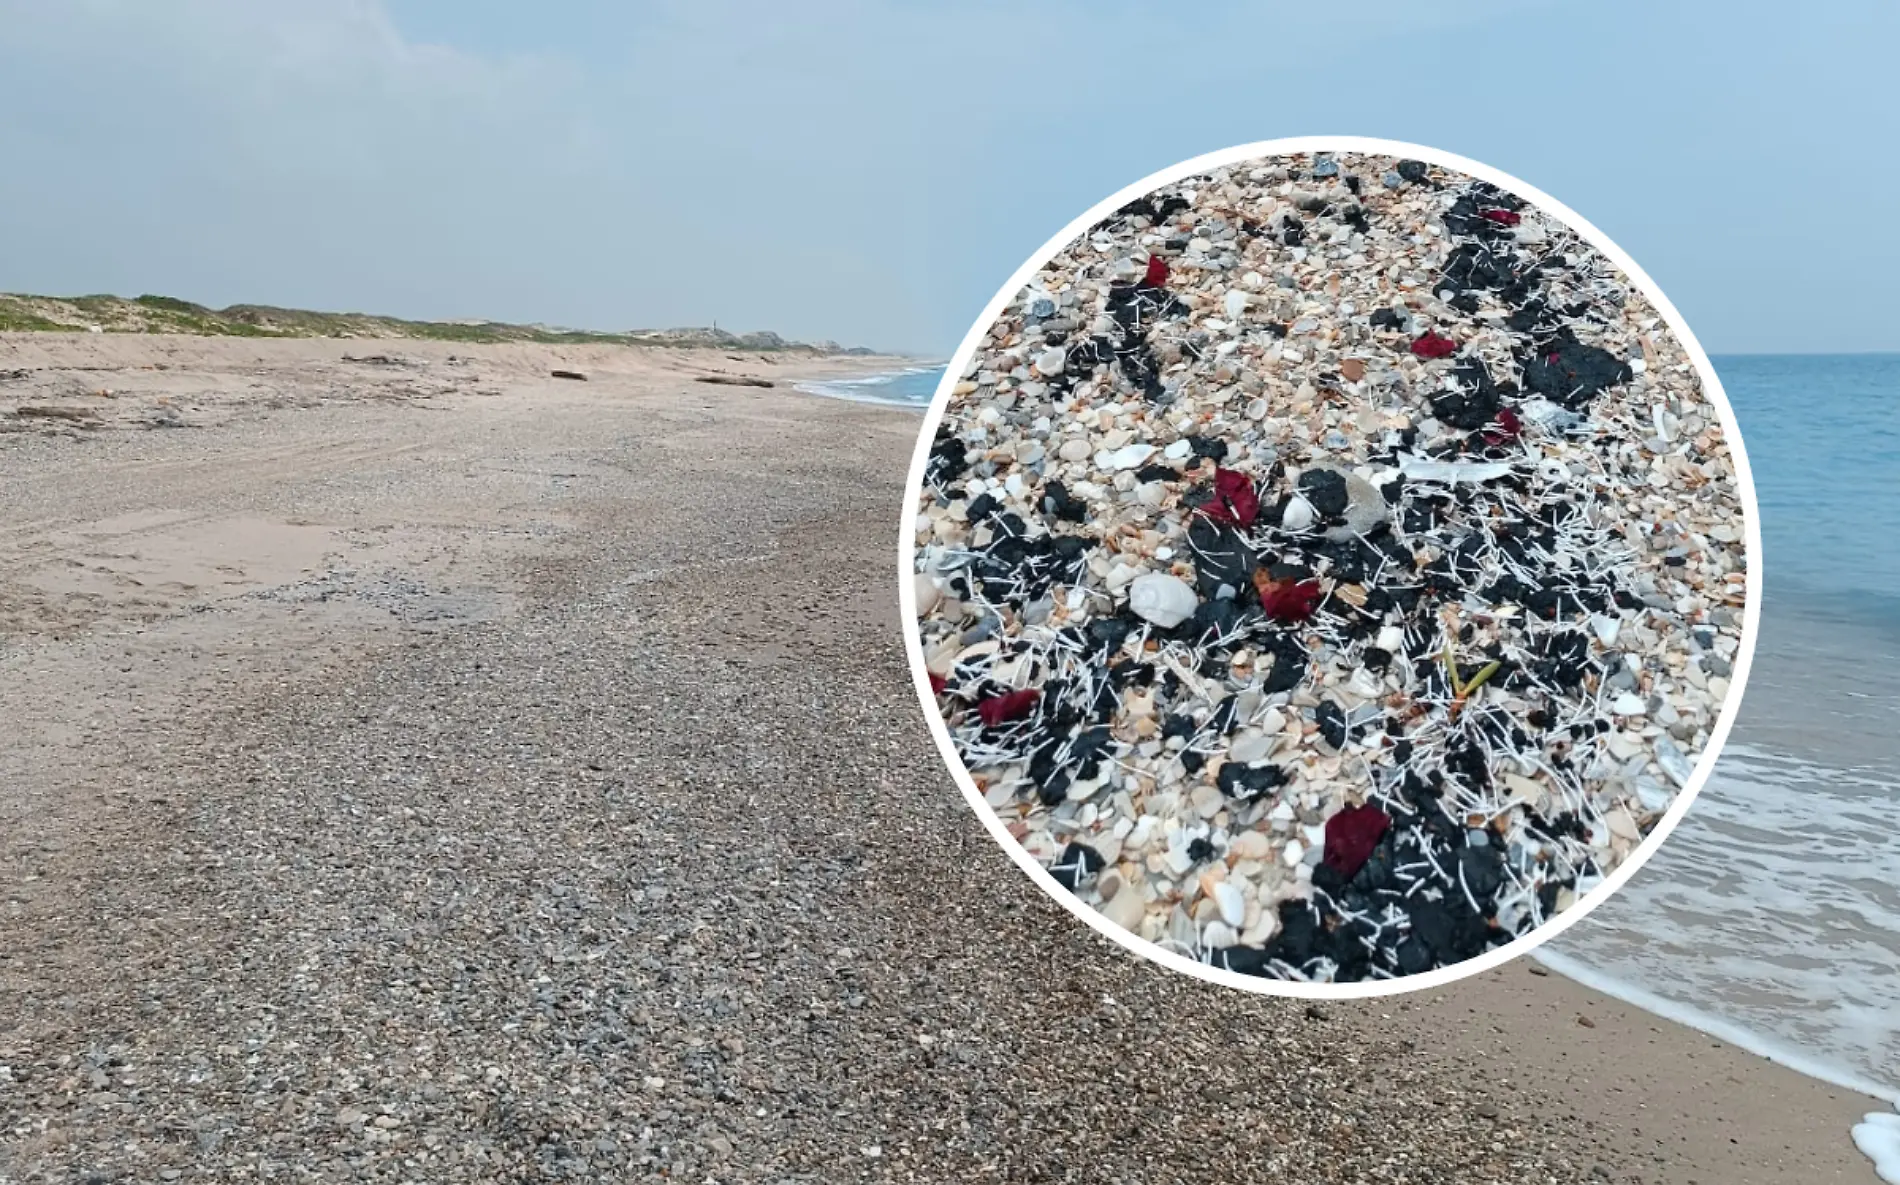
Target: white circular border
[[1363, 989]]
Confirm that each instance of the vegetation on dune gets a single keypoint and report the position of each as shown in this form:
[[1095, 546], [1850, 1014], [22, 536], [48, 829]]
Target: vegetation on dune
[[168, 314]]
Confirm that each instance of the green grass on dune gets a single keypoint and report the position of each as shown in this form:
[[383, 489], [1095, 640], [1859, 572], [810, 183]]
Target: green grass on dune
[[168, 314]]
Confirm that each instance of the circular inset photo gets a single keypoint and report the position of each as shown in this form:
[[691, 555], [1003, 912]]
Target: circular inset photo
[[1328, 570]]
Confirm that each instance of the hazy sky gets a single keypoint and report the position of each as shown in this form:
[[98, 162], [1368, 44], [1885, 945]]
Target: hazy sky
[[872, 170]]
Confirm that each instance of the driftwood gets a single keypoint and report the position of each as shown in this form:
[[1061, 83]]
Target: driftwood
[[727, 380], [576, 375], [57, 413]]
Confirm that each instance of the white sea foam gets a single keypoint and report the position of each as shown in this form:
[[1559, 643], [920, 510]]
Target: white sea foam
[[1771, 919], [911, 388], [1878, 1136]]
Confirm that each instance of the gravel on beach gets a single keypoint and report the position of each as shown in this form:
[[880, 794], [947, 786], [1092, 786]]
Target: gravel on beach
[[1330, 567], [650, 875]]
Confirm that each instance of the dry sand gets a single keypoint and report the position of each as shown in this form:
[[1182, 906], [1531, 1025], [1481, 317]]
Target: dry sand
[[431, 770]]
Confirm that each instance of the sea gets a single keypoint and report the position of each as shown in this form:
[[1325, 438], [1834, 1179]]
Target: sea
[[1771, 916], [904, 388]]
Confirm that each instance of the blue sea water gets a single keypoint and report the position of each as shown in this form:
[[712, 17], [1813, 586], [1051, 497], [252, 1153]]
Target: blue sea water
[[1771, 916], [905, 388]]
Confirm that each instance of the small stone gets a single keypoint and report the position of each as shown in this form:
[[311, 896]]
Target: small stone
[[1293, 854], [1051, 361], [1178, 451], [1629, 704], [1075, 449]]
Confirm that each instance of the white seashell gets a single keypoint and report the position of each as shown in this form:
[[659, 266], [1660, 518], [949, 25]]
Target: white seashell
[[1233, 906], [1163, 599], [1299, 514], [1391, 639], [1250, 746], [1051, 361], [1294, 853], [1235, 304], [1629, 704], [1125, 908], [928, 594], [1606, 628], [1178, 450], [1672, 762], [1219, 936], [1126, 457]]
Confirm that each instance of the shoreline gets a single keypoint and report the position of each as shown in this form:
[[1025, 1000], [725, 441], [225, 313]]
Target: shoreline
[[840, 388], [1691, 1104], [464, 485]]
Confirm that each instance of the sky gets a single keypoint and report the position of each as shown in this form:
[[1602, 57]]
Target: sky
[[872, 171]]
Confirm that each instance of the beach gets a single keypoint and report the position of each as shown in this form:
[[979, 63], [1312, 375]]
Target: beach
[[421, 767]]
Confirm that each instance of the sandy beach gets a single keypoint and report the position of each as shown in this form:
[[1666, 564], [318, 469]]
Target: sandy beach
[[419, 767]]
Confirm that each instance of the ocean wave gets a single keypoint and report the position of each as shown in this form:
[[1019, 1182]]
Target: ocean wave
[[913, 387], [1770, 918]]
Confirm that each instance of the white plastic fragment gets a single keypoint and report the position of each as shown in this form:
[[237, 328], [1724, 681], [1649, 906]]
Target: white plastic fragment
[[1418, 468]]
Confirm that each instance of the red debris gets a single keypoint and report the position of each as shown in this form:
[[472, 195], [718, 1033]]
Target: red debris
[[1157, 272], [1287, 600], [1508, 428], [1351, 837], [1433, 346], [938, 683], [1000, 709], [1235, 501], [1503, 217]]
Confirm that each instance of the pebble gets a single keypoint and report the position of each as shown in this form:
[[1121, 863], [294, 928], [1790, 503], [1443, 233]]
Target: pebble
[[1628, 704], [1075, 449]]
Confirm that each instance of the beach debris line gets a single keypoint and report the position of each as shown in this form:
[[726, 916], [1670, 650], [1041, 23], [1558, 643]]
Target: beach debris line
[[1320, 597]]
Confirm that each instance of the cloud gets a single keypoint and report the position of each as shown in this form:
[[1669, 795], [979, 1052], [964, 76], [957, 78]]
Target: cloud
[[863, 169]]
